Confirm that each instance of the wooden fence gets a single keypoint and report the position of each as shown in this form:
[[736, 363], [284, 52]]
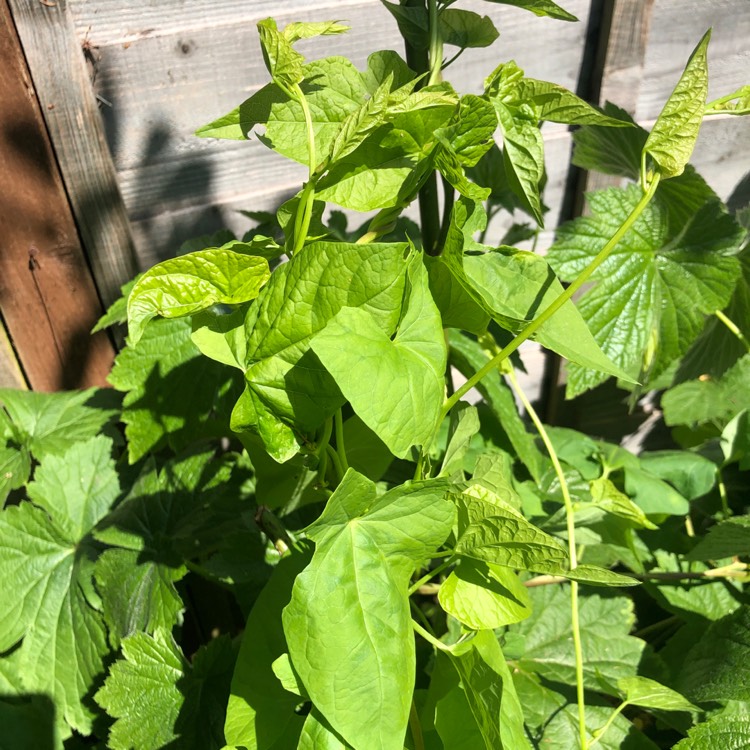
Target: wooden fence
[[100, 175]]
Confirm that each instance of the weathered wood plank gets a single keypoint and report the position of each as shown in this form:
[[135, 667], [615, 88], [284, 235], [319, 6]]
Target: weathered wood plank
[[11, 374], [70, 111], [48, 299]]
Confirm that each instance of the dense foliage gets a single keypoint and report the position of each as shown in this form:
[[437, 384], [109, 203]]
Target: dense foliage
[[285, 529]]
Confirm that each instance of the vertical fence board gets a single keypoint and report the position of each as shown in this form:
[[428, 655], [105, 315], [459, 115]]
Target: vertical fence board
[[69, 106], [48, 299]]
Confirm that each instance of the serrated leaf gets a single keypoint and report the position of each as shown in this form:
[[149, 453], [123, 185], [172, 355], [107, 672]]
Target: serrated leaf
[[540, 8], [641, 691], [47, 423], [173, 394], [348, 625], [655, 288], [608, 650], [707, 400], [260, 713], [727, 539], [190, 283], [484, 596], [716, 666], [137, 595], [49, 604], [466, 29], [726, 732], [395, 386], [157, 698], [287, 388]]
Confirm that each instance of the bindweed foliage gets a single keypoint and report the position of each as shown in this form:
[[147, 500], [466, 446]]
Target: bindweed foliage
[[286, 529]]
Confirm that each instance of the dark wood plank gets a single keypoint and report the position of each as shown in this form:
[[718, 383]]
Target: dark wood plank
[[60, 76], [48, 299]]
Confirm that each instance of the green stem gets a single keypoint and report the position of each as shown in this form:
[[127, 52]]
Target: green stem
[[604, 729], [538, 322], [572, 552], [415, 727], [733, 327], [429, 637], [437, 571], [436, 44], [308, 194], [340, 447], [723, 494], [419, 468], [335, 461], [325, 438]]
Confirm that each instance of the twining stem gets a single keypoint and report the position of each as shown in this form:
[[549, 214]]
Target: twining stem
[[437, 571], [546, 314], [340, 446], [335, 461], [307, 199], [608, 723], [733, 327], [572, 552], [415, 728], [436, 44], [723, 494]]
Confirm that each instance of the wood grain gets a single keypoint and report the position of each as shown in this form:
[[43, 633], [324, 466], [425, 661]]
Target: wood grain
[[69, 106], [48, 300]]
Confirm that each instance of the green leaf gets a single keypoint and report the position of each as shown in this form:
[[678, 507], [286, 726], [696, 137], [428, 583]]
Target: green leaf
[[190, 283], [137, 595], [293, 32], [282, 61], [607, 497], [466, 29], [727, 539], [347, 625], [737, 103], [491, 694], [608, 650], [691, 474], [484, 596], [287, 388], [726, 732], [49, 603], [672, 139], [117, 312], [317, 734], [413, 23], [365, 451], [464, 424], [395, 386], [457, 308], [655, 288], [555, 103], [654, 496], [716, 666], [469, 133], [173, 394], [47, 423], [540, 8], [157, 698], [261, 713], [640, 691], [29, 725], [708, 400]]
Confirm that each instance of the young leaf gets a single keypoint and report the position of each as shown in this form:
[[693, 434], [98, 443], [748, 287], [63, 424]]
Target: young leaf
[[395, 386], [348, 625], [469, 134], [607, 497], [157, 698], [190, 283], [293, 32], [45, 578], [540, 8], [672, 139], [655, 288], [737, 103], [640, 691], [283, 62], [484, 596], [466, 29], [285, 382]]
